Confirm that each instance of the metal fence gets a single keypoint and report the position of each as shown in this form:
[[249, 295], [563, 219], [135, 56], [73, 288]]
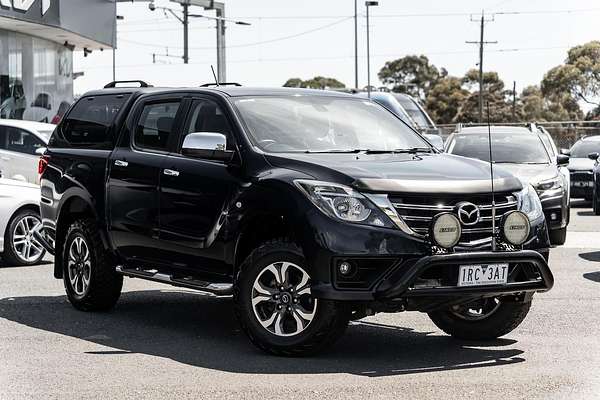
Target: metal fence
[[564, 133]]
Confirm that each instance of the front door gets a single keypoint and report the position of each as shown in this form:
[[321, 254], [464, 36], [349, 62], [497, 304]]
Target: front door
[[195, 195], [134, 177]]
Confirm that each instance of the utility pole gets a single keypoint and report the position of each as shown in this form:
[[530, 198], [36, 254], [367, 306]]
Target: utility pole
[[368, 4], [481, 44], [356, 44], [186, 25], [514, 104]]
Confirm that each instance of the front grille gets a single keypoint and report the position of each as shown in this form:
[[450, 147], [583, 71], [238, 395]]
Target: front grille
[[418, 211], [579, 176]]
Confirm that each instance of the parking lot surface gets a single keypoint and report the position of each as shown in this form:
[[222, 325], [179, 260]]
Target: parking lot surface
[[161, 342]]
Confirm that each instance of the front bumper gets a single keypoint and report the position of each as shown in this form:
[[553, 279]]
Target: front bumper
[[528, 273], [556, 210]]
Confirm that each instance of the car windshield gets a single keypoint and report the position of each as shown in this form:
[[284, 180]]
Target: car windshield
[[324, 124], [513, 148], [414, 111], [582, 148]]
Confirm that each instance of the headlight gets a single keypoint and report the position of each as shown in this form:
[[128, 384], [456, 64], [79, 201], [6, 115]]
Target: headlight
[[549, 184], [343, 203], [515, 227], [529, 202], [445, 230]]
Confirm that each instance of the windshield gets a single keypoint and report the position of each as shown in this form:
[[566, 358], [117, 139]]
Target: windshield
[[324, 124], [582, 148], [517, 148]]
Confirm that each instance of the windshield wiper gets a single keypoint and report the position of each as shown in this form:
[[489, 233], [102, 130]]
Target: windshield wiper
[[410, 150], [519, 162], [335, 151]]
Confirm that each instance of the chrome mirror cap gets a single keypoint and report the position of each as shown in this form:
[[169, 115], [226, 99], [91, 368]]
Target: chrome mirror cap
[[207, 145]]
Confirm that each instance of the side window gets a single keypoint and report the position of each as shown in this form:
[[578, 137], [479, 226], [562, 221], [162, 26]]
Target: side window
[[206, 116], [88, 123], [156, 125], [20, 141]]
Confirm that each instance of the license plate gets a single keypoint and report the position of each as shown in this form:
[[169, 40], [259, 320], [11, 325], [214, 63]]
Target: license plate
[[582, 184], [482, 274]]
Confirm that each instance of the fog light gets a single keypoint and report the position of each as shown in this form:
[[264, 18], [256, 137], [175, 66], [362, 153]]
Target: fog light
[[516, 227], [345, 268], [553, 216], [445, 230]]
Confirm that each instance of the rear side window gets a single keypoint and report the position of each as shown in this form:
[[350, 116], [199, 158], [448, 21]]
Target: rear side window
[[88, 123], [19, 141]]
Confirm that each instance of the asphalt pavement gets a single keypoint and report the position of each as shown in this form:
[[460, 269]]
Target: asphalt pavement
[[161, 342]]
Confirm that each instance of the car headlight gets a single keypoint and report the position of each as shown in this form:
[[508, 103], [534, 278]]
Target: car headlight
[[549, 184], [343, 203], [529, 202]]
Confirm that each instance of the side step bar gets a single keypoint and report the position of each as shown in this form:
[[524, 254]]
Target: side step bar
[[215, 289]]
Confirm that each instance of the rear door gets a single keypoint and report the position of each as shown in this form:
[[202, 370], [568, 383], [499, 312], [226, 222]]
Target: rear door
[[195, 195], [134, 177]]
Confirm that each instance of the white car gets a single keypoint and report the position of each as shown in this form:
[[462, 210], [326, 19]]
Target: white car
[[19, 216], [21, 144]]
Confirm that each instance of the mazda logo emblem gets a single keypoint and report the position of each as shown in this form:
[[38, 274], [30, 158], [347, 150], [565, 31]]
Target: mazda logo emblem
[[468, 213]]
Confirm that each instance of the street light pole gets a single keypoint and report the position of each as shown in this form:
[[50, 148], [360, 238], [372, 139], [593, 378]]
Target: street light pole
[[369, 4]]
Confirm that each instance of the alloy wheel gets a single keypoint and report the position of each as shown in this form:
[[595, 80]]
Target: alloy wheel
[[79, 266], [281, 299], [24, 244]]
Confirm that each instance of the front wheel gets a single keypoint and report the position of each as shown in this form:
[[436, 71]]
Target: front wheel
[[558, 237], [90, 279], [275, 307], [484, 319]]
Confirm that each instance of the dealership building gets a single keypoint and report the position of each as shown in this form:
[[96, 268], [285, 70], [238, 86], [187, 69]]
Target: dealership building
[[37, 40]]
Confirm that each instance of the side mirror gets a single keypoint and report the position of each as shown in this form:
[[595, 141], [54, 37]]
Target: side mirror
[[40, 151], [594, 156], [565, 152], [562, 160], [207, 145]]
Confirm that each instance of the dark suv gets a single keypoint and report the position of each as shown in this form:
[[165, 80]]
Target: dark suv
[[310, 208]]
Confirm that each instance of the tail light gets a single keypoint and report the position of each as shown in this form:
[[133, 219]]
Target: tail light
[[43, 164]]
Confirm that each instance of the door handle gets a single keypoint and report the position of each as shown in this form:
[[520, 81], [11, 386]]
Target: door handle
[[170, 172], [121, 163]]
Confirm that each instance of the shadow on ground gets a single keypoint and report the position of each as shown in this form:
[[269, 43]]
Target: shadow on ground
[[593, 276], [3, 264], [202, 332], [580, 203], [591, 256], [586, 213]]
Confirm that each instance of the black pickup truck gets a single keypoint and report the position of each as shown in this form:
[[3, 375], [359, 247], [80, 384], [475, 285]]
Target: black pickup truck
[[310, 208]]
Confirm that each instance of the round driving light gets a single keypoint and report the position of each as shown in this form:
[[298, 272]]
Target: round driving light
[[445, 230], [515, 227], [345, 268]]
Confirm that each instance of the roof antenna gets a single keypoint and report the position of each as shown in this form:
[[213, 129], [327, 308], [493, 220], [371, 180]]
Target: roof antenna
[[492, 179], [214, 75]]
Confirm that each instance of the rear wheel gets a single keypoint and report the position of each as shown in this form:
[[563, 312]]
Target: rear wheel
[[558, 236], [90, 279], [275, 307], [484, 319], [20, 247]]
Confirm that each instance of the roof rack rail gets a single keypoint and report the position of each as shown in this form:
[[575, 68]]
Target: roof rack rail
[[221, 84], [114, 84], [532, 126], [458, 127]]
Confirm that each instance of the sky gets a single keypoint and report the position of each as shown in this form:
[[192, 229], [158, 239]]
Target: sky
[[310, 37]]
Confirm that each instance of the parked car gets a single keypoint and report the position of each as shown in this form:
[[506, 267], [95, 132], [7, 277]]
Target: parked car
[[15, 103], [21, 144], [417, 113], [521, 152], [311, 208], [41, 109], [19, 216], [554, 153], [390, 101], [581, 166]]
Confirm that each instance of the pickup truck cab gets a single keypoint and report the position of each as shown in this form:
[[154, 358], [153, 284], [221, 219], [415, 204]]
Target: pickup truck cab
[[310, 208]]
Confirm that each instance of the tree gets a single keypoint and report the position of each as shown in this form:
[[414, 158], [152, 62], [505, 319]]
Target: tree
[[499, 99], [413, 75], [318, 82], [445, 98]]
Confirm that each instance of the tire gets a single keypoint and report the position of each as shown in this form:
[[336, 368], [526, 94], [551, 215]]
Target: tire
[[558, 236], [89, 276], [329, 319], [596, 204], [20, 247], [501, 321]]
